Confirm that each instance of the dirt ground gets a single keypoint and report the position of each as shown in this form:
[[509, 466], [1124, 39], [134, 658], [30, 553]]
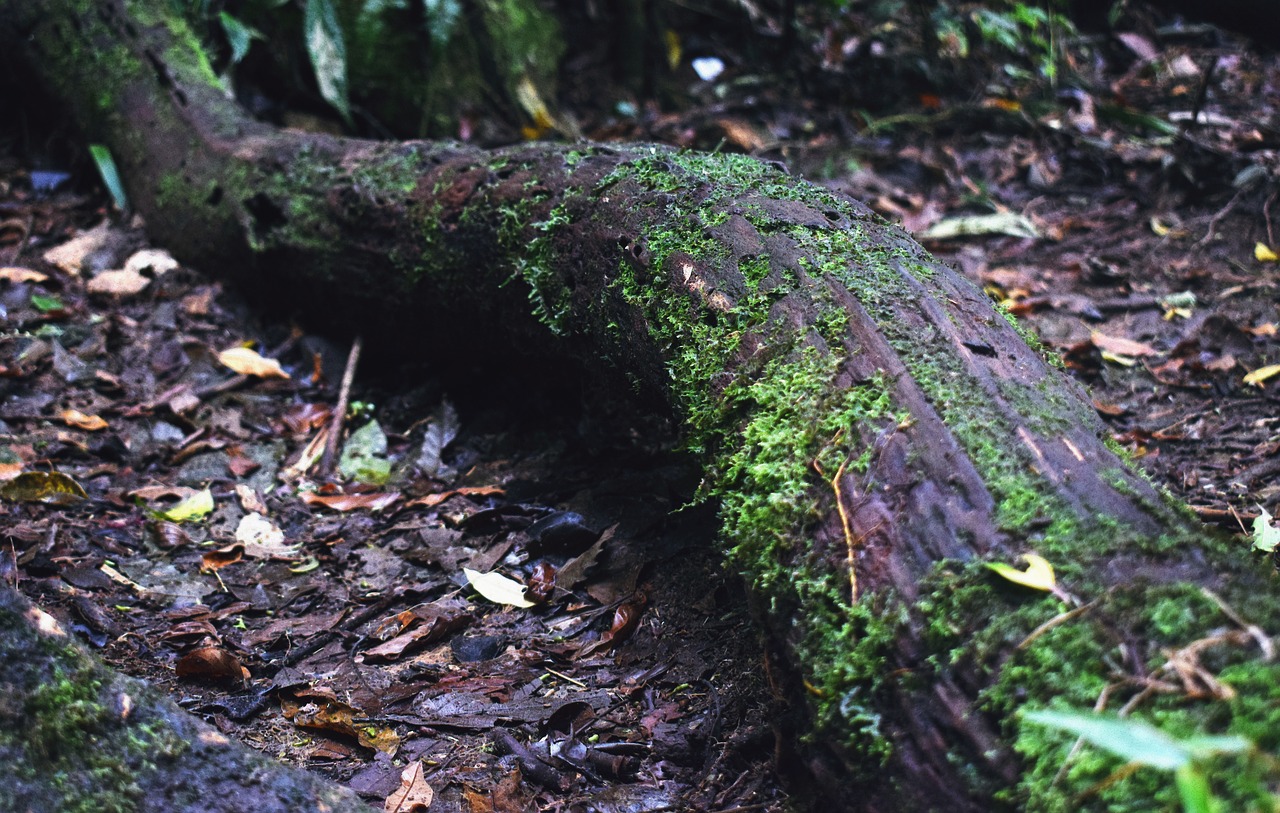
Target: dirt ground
[[173, 506]]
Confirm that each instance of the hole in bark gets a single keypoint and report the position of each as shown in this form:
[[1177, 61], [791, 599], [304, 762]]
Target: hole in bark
[[266, 214], [215, 197], [834, 217]]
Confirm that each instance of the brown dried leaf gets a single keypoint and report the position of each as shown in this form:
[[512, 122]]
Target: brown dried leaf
[[80, 420], [220, 558], [431, 500], [211, 663], [414, 794], [1120, 346], [12, 274], [351, 502]]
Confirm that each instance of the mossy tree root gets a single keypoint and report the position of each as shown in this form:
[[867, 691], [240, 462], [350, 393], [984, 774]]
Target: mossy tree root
[[76, 736], [873, 429]]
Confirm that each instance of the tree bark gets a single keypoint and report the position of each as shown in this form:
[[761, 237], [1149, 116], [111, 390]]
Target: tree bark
[[873, 429]]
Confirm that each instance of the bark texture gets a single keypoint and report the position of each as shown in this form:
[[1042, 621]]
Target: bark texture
[[873, 429]]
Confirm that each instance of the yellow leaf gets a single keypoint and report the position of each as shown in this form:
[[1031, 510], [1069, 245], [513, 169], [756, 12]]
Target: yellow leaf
[[1262, 374], [497, 588], [1263, 253], [674, 51], [50, 487], [1037, 576], [193, 507], [78, 419], [247, 362]]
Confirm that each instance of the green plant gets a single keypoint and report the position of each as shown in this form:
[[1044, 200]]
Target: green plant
[[1142, 744]]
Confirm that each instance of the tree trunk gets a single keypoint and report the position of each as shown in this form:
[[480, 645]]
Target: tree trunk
[[873, 429]]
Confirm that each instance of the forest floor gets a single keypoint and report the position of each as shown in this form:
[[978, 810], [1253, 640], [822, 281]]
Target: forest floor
[[334, 626]]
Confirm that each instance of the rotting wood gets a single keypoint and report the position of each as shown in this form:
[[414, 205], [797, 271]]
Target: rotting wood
[[792, 333]]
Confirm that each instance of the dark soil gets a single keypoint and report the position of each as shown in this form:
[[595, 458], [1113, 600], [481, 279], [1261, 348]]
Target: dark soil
[[342, 633]]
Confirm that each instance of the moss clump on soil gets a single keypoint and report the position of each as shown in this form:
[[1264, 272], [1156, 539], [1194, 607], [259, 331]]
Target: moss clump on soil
[[70, 735]]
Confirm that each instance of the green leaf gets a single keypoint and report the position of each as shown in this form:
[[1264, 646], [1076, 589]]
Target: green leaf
[[239, 36], [362, 456], [46, 304], [1193, 787], [110, 175], [328, 54], [1266, 537], [1131, 740]]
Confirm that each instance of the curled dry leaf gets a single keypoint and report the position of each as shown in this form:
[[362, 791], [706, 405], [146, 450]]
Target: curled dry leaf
[[211, 663], [626, 618], [350, 502], [431, 500], [80, 420], [220, 558], [245, 361], [13, 274], [542, 583]]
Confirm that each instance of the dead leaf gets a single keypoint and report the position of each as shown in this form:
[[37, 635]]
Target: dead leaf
[[13, 274], [1263, 253], [1120, 347], [263, 540], [118, 283], [626, 618], [72, 255], [419, 626], [414, 794], [575, 570], [246, 361], [319, 708], [249, 499], [156, 260], [220, 558], [432, 500], [1037, 576], [542, 583], [498, 588], [194, 506], [48, 487], [351, 502], [211, 663], [78, 419]]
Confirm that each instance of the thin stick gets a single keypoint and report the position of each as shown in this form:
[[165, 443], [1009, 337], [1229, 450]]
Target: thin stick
[[340, 412], [848, 535]]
